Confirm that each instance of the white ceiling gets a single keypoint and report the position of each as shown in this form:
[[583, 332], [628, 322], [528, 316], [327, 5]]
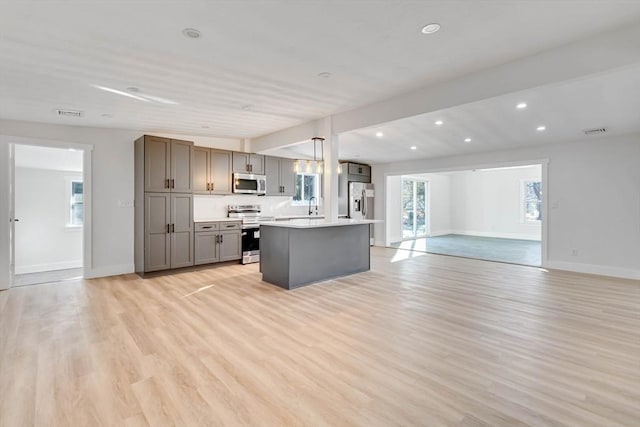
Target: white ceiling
[[610, 100], [264, 54]]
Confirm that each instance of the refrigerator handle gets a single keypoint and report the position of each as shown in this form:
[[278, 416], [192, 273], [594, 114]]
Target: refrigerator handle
[[364, 203]]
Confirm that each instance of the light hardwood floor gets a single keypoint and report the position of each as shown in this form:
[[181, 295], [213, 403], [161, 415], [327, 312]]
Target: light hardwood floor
[[419, 340]]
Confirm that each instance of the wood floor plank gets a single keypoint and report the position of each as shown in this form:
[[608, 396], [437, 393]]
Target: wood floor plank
[[419, 340]]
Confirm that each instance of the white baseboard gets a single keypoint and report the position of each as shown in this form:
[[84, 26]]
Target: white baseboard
[[109, 270], [440, 233], [53, 266], [600, 270], [496, 235]]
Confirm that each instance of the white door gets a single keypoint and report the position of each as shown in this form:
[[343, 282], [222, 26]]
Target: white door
[[6, 216], [12, 213]]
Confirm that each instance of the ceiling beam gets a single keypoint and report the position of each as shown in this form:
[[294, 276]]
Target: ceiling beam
[[596, 54]]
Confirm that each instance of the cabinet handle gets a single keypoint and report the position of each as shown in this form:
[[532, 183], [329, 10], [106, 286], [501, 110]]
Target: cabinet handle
[[173, 228], [213, 186], [217, 238], [206, 227], [167, 183], [173, 183], [168, 228], [221, 238]]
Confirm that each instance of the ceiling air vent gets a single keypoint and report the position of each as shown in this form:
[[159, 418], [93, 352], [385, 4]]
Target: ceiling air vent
[[70, 113], [596, 131]]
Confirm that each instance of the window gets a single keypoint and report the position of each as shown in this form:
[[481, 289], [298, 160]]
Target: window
[[307, 186], [532, 201], [76, 201]]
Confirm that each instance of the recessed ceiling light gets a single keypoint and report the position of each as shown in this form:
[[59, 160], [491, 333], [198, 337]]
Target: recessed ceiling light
[[379, 134], [324, 74], [413, 147], [191, 33], [541, 128], [107, 115], [247, 107], [133, 89], [204, 127], [439, 122], [430, 28], [521, 105], [467, 140]]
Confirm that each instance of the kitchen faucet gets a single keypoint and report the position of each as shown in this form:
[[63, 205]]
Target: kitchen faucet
[[316, 205]]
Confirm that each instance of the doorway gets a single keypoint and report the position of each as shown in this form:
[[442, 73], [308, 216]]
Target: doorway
[[48, 219], [490, 213]]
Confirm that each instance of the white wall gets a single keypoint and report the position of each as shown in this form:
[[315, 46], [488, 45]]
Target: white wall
[[488, 203], [43, 240], [593, 192], [112, 175], [394, 208]]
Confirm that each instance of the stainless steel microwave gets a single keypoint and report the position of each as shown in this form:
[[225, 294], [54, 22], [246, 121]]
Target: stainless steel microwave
[[247, 183]]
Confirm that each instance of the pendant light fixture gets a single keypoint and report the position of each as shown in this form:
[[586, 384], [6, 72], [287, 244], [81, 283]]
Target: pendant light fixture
[[319, 163]]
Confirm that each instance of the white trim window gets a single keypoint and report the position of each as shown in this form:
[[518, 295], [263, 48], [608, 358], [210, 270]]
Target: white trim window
[[531, 201], [75, 198], [307, 186]]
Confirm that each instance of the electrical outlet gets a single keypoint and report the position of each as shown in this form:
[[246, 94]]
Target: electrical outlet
[[125, 203], [574, 252]]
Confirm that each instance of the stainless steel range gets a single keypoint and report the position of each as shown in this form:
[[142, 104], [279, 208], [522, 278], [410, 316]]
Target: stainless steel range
[[251, 217]]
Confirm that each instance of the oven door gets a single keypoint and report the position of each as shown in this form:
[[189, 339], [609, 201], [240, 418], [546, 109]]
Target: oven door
[[250, 243]]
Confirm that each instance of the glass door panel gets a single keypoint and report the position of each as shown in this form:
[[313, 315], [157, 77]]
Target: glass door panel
[[414, 208]]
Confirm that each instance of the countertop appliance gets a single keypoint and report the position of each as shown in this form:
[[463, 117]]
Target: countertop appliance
[[361, 196], [248, 183], [251, 215]]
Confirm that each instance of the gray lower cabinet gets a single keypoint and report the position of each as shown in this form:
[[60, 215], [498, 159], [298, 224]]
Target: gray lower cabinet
[[157, 231], [230, 245], [168, 231], [207, 248], [281, 176], [181, 230], [217, 242]]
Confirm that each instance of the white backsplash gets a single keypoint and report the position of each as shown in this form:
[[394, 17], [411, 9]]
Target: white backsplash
[[208, 207]]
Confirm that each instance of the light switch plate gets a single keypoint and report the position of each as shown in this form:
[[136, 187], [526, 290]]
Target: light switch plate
[[125, 203]]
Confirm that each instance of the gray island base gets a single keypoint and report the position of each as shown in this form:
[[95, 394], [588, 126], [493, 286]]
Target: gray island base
[[303, 252]]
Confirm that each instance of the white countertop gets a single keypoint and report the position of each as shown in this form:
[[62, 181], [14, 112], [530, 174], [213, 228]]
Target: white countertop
[[217, 219], [318, 223]]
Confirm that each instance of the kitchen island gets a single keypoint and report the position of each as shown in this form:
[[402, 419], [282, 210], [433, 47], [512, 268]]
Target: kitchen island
[[304, 251]]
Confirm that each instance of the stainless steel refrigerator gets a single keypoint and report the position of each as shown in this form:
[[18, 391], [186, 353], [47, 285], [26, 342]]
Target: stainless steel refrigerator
[[361, 202]]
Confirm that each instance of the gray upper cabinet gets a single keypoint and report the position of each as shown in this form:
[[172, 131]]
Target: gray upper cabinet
[[288, 176], [280, 176], [157, 164], [167, 165], [220, 172], [358, 169], [181, 163], [211, 171], [200, 170], [248, 163]]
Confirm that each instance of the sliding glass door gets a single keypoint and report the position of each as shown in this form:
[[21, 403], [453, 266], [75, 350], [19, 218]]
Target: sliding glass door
[[414, 208]]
